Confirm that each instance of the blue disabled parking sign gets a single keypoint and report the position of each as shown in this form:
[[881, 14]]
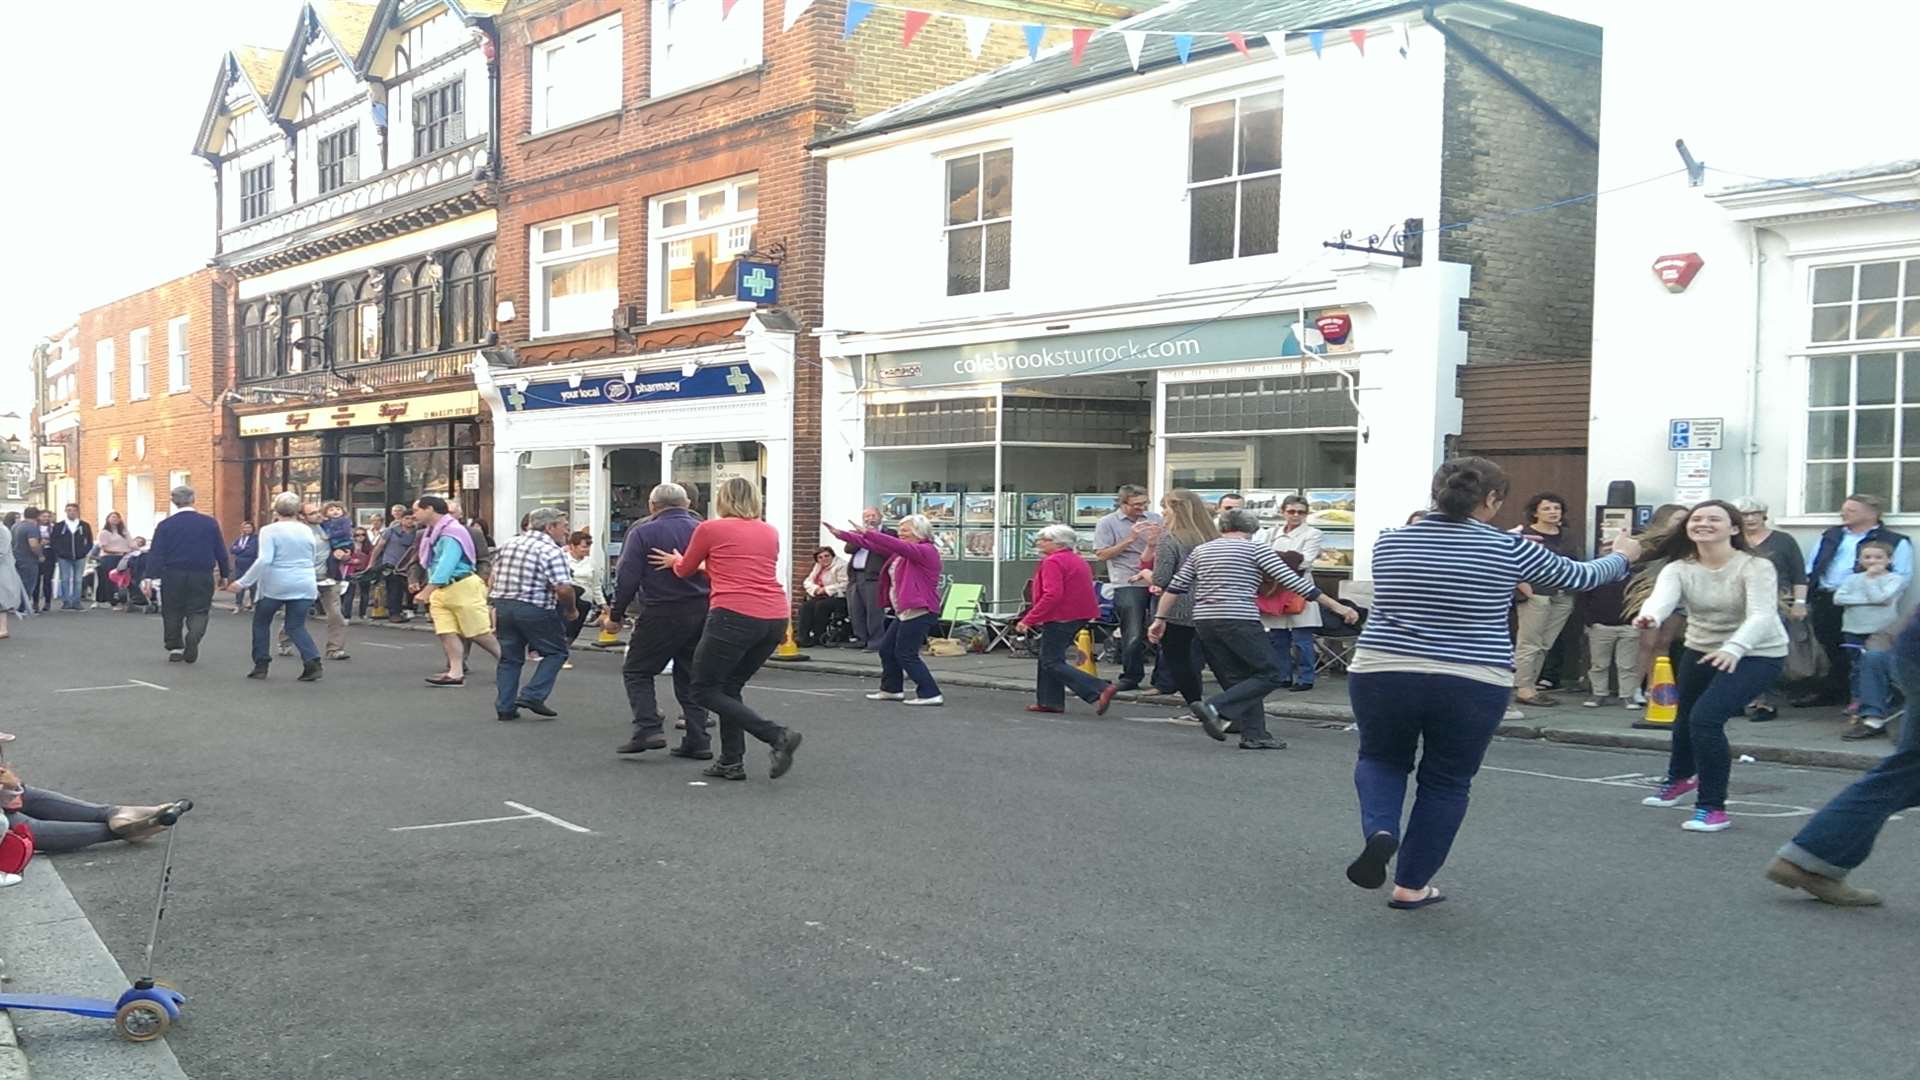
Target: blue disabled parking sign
[[1695, 433], [1679, 434], [757, 283]]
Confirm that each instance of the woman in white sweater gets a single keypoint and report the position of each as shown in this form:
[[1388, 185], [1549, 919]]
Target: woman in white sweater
[[1735, 646]]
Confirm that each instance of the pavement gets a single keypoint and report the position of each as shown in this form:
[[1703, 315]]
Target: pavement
[[379, 881]]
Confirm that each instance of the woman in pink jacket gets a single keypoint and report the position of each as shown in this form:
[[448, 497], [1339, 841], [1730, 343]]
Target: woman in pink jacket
[[1063, 603], [910, 591]]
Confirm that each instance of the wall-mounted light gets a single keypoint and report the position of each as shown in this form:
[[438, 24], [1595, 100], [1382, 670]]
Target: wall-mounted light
[[521, 385], [573, 381], [503, 311], [631, 375], [687, 369]]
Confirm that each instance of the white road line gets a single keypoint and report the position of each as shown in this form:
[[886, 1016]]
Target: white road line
[[133, 684], [1640, 780], [788, 690], [379, 645], [527, 813], [544, 816]]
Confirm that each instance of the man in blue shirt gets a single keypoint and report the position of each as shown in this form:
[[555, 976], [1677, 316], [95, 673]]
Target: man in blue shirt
[[1834, 559], [673, 612], [187, 551]]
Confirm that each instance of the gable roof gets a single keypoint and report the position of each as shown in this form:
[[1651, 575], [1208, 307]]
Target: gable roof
[[261, 66], [344, 23], [257, 67], [384, 18]]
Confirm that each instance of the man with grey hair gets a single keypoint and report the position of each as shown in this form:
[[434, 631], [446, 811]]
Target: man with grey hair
[[189, 556], [865, 609], [673, 612], [532, 593], [1120, 540]]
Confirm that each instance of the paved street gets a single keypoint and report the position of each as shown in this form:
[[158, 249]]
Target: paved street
[[962, 892]]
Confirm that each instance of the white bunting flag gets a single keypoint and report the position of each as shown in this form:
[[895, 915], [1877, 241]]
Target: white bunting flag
[[795, 9], [1277, 40], [1403, 37], [1136, 40], [976, 30]]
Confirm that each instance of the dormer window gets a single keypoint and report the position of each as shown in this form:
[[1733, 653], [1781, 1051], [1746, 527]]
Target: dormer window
[[339, 155], [439, 118], [256, 192]]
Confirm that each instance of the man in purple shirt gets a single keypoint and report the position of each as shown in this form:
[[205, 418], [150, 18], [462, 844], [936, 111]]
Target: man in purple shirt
[[673, 611], [189, 556]]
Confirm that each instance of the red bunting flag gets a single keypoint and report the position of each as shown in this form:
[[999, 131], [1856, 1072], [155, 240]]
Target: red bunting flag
[[1081, 35], [1238, 41], [911, 25], [1359, 37], [726, 8]]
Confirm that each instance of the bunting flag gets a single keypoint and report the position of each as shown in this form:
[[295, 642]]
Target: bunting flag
[[1135, 42], [1034, 32], [795, 9], [911, 24], [726, 8], [1238, 41], [1358, 36], [857, 12], [1081, 35], [976, 29], [1406, 39], [1317, 39], [1183, 44], [1278, 40]]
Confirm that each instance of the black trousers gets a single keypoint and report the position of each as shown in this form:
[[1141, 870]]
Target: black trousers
[[397, 599], [1180, 652], [1242, 659], [186, 596], [1825, 615], [732, 648], [864, 605], [663, 633]]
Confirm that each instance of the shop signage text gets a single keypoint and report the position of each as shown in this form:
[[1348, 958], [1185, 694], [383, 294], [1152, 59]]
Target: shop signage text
[[1224, 341], [448, 406], [733, 380], [53, 460]]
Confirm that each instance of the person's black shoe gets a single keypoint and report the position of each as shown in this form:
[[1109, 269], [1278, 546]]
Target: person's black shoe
[[191, 653], [1369, 871], [1263, 742], [310, 671], [537, 708], [503, 717], [1814, 701], [1125, 685], [259, 672], [783, 754], [724, 770], [1209, 718], [692, 753], [1300, 688], [640, 744], [1233, 728], [1760, 714]]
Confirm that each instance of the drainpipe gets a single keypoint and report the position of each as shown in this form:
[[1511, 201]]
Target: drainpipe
[[490, 50], [1492, 67], [1750, 454]]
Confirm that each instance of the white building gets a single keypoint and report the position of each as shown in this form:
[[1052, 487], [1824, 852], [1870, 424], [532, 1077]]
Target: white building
[[1057, 278], [1800, 332]]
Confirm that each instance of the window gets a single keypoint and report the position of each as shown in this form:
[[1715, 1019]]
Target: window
[[102, 498], [256, 192], [1863, 430], [103, 372], [439, 118], [137, 364], [694, 42], [697, 238], [576, 271], [339, 156], [179, 478], [1865, 301], [470, 296], [343, 330], [577, 76], [979, 222], [177, 355], [1233, 178], [413, 316]]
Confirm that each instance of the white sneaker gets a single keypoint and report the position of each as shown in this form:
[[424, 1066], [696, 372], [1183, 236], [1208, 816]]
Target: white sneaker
[[1639, 699], [1514, 714], [1591, 703], [934, 700], [1627, 704], [9, 879], [886, 695]]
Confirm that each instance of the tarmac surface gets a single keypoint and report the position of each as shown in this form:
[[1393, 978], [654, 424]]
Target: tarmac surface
[[969, 891]]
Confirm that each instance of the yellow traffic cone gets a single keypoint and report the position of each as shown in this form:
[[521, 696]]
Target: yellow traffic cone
[[1663, 697], [789, 650], [609, 635], [378, 608], [1083, 648]]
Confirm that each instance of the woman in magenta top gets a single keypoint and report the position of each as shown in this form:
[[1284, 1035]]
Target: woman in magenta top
[[1063, 603], [746, 620], [910, 591]]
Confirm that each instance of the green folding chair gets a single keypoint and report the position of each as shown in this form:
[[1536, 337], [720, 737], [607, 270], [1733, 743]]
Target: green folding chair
[[962, 605]]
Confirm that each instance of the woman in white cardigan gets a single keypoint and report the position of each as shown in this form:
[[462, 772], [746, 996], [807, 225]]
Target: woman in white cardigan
[[826, 588], [1292, 635]]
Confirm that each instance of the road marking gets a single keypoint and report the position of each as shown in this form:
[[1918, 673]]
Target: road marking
[[527, 813], [378, 645], [891, 958], [1642, 780], [787, 690], [131, 684]]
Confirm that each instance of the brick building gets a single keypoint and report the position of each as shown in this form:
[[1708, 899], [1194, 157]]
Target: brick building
[[151, 368], [648, 150]]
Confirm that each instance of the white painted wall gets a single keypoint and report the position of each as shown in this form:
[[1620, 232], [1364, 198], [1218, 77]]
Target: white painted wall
[[1750, 98]]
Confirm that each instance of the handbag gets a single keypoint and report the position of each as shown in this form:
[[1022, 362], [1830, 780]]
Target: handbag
[[1277, 601], [16, 849]]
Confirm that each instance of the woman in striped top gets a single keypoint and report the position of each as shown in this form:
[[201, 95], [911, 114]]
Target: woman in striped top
[[1434, 666]]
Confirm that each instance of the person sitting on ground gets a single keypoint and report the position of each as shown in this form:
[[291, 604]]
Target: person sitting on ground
[[1869, 601], [60, 823]]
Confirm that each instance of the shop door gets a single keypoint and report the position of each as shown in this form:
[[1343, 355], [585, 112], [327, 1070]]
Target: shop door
[[1531, 419], [632, 474]]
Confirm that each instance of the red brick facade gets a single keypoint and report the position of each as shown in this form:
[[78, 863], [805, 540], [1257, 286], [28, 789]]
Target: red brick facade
[[148, 439]]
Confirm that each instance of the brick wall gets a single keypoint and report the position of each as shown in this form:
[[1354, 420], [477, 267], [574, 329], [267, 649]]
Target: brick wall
[[1532, 296], [176, 431], [884, 74]]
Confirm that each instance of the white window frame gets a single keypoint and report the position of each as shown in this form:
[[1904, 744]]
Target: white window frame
[[704, 47], [179, 356], [605, 227], [103, 496], [556, 103], [659, 235], [139, 360], [979, 156], [103, 373], [1235, 177]]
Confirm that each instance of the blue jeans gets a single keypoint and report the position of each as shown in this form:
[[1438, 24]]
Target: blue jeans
[[1710, 697], [1841, 835], [1293, 648], [520, 625], [899, 648], [1450, 721], [295, 625], [1873, 678], [1053, 676], [68, 573], [1130, 608], [29, 571]]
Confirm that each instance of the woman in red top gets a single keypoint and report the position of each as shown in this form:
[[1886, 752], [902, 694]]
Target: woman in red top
[[746, 620], [1063, 603]]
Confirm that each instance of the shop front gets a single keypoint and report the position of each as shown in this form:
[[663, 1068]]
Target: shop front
[[593, 438], [367, 455]]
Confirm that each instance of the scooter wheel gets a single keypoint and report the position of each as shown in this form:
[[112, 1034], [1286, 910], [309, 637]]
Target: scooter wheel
[[141, 1021]]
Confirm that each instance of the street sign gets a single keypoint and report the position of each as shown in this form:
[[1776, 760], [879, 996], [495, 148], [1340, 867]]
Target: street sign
[[757, 283], [1694, 433]]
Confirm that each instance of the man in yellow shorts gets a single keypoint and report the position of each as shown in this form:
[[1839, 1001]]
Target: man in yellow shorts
[[456, 596]]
